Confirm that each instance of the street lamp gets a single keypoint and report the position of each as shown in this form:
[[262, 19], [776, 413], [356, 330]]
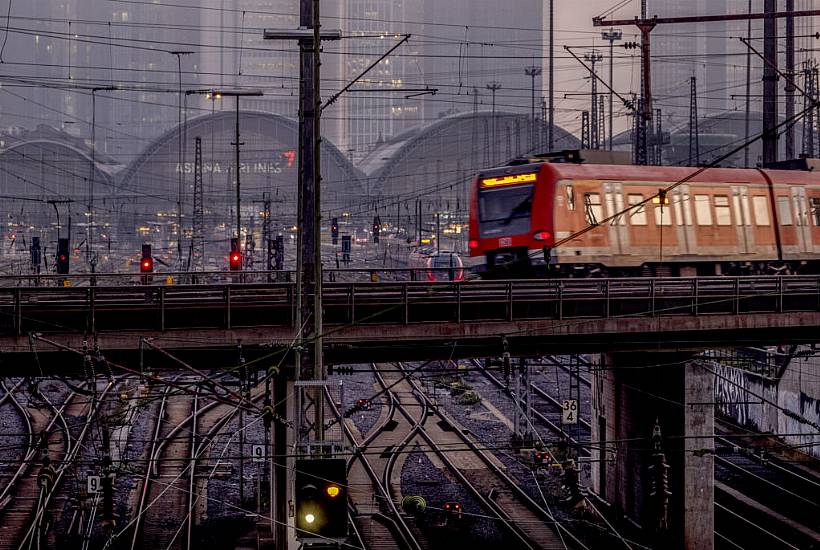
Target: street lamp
[[532, 72], [216, 94], [179, 55], [611, 36], [89, 256]]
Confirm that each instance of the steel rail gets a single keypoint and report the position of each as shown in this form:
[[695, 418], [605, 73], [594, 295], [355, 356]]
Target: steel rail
[[504, 520], [552, 426], [405, 536], [507, 480]]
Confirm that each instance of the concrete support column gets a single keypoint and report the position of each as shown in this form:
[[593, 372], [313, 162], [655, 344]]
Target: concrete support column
[[630, 394]]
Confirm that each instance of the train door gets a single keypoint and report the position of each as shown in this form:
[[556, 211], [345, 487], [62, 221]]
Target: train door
[[743, 218], [614, 194], [801, 219], [682, 207]]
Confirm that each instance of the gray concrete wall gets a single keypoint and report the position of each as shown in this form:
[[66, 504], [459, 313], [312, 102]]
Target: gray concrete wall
[[797, 390]]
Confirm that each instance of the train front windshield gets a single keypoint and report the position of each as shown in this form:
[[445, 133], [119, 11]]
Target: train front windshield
[[505, 211]]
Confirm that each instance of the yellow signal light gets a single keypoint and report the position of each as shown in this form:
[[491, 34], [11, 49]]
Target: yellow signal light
[[333, 491], [508, 180], [310, 518]]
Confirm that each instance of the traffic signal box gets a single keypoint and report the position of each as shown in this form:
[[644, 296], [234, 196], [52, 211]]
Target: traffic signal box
[[235, 258], [377, 225], [334, 231], [146, 264], [320, 494], [147, 260], [63, 257]]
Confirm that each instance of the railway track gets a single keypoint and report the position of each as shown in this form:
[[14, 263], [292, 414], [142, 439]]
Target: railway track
[[172, 494], [527, 524], [372, 488], [29, 494], [767, 498], [549, 420], [169, 475]]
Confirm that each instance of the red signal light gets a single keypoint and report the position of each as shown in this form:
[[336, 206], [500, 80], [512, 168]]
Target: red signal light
[[147, 265], [62, 257], [235, 260]]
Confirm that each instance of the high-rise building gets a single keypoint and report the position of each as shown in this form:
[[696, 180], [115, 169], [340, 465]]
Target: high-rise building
[[58, 52]]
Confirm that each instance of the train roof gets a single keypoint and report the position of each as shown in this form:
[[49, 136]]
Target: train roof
[[675, 173], [668, 174]]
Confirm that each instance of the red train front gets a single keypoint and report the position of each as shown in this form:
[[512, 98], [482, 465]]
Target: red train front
[[511, 214]]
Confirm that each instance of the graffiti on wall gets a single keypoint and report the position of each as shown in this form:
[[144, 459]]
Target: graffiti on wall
[[730, 393]]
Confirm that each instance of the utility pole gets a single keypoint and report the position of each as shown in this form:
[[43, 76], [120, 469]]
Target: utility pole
[[769, 15], [89, 255], [309, 252], [585, 130], [532, 72], [808, 118], [198, 233], [601, 122], [180, 146], [789, 89], [770, 78], [494, 86], [694, 135], [611, 36], [551, 78], [748, 88], [593, 58]]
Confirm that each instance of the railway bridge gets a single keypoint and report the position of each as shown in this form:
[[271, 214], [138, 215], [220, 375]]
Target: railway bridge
[[646, 330]]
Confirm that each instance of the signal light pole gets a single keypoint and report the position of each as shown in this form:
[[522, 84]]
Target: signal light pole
[[237, 93]]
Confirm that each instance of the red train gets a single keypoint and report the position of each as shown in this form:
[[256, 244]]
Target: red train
[[723, 221]]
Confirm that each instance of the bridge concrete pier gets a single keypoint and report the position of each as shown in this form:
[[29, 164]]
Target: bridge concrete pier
[[631, 394]]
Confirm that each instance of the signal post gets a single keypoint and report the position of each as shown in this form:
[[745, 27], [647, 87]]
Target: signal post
[[310, 374]]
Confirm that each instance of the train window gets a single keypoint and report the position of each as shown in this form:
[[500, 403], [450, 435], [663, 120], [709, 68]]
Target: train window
[[663, 215], [703, 212], [815, 210], [638, 215], [761, 208], [723, 214], [784, 210], [594, 209]]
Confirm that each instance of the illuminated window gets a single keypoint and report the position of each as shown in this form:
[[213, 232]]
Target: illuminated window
[[761, 210], [703, 211], [723, 215], [784, 210], [814, 202], [637, 216], [594, 208]]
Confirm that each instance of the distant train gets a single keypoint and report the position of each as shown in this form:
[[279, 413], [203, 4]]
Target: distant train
[[723, 221], [437, 266]]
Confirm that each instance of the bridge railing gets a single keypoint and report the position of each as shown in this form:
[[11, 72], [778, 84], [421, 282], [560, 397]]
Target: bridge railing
[[170, 278], [240, 305]]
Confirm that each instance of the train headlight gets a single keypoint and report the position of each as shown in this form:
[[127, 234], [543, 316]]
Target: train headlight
[[542, 235]]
